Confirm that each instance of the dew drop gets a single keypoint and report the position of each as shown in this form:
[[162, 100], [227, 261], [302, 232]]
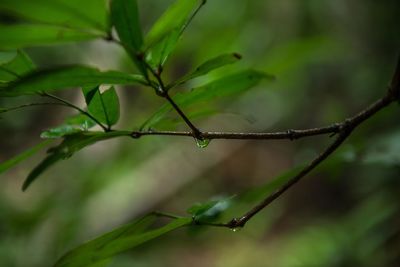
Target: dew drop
[[236, 229], [202, 143]]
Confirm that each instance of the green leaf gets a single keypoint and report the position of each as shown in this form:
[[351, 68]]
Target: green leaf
[[7, 56], [67, 77], [225, 86], [82, 121], [75, 124], [160, 51], [4, 166], [28, 35], [208, 66], [103, 106], [71, 144], [16, 67], [166, 31], [88, 14], [60, 131], [210, 210], [125, 18], [117, 241]]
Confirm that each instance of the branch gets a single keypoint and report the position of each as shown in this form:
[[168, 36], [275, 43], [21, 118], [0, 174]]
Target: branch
[[162, 91], [288, 134], [346, 129]]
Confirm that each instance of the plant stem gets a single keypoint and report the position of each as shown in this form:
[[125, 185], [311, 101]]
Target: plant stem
[[69, 104], [346, 129], [288, 134], [162, 91]]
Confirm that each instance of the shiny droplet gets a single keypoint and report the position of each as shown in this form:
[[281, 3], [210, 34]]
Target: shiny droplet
[[202, 143], [236, 229]]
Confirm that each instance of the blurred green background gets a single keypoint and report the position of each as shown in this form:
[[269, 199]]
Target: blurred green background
[[331, 59]]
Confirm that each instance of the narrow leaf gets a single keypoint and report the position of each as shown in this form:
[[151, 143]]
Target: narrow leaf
[[208, 66], [88, 14], [103, 106], [117, 241], [125, 18], [71, 144], [4, 166], [28, 35], [225, 86], [67, 77], [165, 33], [174, 17]]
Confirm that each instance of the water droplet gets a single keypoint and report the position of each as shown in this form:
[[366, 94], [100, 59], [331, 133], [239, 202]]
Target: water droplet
[[236, 229], [202, 143]]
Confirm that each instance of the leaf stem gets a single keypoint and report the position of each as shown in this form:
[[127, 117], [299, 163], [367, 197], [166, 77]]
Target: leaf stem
[[69, 104], [161, 90]]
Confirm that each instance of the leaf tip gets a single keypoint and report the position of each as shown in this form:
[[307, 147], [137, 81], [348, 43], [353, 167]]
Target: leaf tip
[[25, 186]]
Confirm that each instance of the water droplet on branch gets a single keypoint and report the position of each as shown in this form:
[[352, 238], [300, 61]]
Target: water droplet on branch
[[202, 143]]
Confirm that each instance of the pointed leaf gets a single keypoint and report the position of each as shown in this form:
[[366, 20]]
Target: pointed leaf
[[103, 106], [117, 241], [67, 77], [174, 17], [165, 33], [208, 66], [88, 14], [4, 166], [71, 144], [27, 35], [225, 86], [125, 18]]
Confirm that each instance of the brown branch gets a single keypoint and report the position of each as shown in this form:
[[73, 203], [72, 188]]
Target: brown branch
[[162, 91], [288, 134], [346, 129]]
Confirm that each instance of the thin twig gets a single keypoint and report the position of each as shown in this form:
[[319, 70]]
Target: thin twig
[[288, 134], [161, 90], [32, 105], [346, 129]]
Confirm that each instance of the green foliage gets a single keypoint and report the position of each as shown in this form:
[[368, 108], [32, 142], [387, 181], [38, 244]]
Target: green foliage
[[65, 78], [45, 22], [119, 240], [15, 65], [69, 146], [208, 66], [27, 35], [75, 124], [53, 22], [125, 18], [211, 210], [4, 166], [165, 33], [104, 106], [226, 86], [76, 14]]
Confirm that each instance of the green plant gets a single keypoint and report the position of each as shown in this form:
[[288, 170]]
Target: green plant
[[19, 77]]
